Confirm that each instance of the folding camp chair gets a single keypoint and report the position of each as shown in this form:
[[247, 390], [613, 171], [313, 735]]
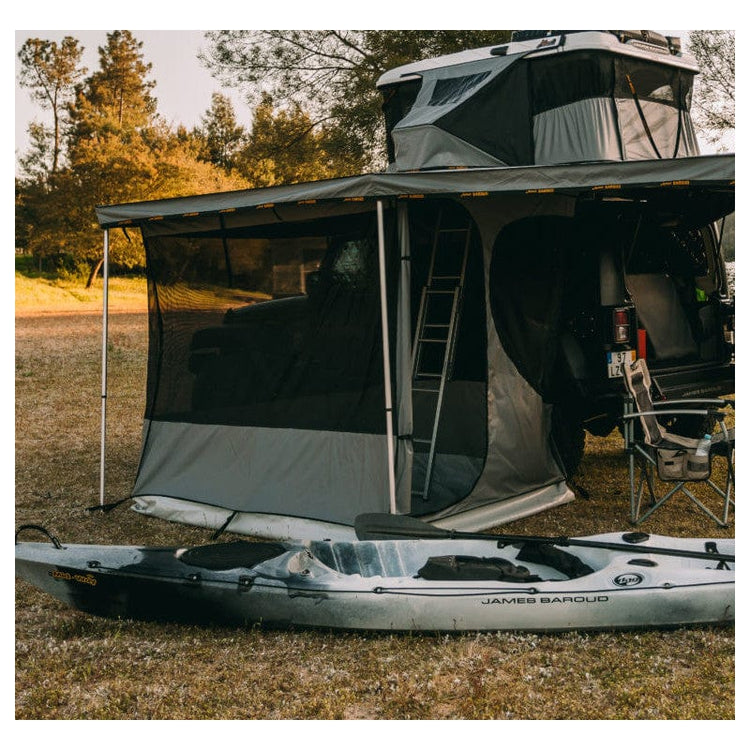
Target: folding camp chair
[[672, 457]]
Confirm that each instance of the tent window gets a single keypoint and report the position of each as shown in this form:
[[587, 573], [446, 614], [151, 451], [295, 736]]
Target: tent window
[[397, 103], [557, 81], [528, 299], [451, 90], [269, 326], [653, 82], [495, 117]]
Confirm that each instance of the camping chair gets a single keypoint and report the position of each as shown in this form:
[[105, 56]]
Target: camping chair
[[672, 456]]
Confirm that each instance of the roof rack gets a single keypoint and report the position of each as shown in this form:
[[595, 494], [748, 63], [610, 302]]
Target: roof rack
[[652, 39]]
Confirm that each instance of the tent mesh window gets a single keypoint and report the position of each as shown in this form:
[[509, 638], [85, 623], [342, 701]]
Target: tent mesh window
[[271, 326], [397, 102], [496, 117], [449, 90]]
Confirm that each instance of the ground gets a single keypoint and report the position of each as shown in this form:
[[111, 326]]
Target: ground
[[73, 666]]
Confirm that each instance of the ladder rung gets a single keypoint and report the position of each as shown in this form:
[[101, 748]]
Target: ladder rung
[[433, 382]]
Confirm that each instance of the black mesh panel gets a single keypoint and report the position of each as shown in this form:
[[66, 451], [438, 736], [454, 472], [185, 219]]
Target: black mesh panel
[[527, 297], [497, 119], [560, 80], [271, 326], [653, 82]]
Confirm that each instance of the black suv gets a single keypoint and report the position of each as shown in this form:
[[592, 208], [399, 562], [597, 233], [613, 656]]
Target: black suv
[[652, 288]]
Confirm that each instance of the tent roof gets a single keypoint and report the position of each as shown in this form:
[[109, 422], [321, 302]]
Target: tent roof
[[576, 41], [614, 177]]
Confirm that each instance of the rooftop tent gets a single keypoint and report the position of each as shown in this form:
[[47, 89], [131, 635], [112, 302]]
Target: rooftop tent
[[564, 97], [267, 401]]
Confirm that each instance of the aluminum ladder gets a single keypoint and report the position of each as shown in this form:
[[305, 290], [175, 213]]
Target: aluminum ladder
[[434, 345]]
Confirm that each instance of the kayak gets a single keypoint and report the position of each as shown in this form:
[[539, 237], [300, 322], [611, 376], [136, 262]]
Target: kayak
[[398, 584]]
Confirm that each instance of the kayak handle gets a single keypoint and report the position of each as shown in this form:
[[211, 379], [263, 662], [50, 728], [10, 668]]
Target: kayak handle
[[41, 529]]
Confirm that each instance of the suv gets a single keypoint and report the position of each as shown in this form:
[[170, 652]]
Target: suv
[[649, 288]]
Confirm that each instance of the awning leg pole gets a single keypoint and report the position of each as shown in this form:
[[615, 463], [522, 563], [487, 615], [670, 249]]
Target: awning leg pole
[[386, 362], [105, 326]]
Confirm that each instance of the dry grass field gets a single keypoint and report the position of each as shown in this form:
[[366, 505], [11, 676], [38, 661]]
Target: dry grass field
[[73, 666]]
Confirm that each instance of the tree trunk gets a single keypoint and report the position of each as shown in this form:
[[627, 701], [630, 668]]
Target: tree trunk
[[94, 272]]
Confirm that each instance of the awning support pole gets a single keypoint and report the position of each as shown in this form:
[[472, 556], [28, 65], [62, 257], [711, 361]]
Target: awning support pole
[[105, 327], [386, 362]]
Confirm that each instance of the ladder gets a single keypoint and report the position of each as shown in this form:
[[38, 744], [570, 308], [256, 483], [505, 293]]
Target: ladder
[[434, 345]]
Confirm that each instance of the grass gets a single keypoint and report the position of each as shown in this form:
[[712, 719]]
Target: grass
[[40, 295], [73, 666]]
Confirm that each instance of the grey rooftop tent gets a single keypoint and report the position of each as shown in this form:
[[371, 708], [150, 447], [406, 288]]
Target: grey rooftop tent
[[545, 98], [313, 357]]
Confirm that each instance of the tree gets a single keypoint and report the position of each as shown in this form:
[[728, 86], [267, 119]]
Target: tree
[[331, 75], [713, 101], [221, 135], [38, 163], [117, 98], [117, 150], [284, 147], [51, 72]]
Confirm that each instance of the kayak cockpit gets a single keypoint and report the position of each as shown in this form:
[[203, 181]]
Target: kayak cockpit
[[434, 560]]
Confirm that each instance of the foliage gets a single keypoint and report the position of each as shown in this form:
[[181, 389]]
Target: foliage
[[713, 104], [117, 150], [51, 72], [331, 75], [284, 146], [220, 135]]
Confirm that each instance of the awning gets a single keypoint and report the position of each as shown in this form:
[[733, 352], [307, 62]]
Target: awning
[[612, 178]]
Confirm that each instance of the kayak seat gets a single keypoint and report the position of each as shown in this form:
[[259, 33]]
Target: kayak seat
[[228, 555]]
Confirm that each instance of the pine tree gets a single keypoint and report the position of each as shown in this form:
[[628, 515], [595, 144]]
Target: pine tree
[[117, 150], [51, 71], [220, 134]]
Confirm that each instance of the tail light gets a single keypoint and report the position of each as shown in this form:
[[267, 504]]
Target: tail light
[[621, 325]]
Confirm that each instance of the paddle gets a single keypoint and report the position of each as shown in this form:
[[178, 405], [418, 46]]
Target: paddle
[[371, 526]]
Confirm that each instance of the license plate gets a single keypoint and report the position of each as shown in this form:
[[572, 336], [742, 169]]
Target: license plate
[[616, 360]]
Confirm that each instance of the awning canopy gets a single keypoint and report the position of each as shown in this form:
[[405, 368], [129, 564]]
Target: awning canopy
[[612, 178]]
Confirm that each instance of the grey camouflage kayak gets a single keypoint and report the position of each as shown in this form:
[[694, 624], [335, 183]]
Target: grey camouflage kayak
[[399, 585]]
